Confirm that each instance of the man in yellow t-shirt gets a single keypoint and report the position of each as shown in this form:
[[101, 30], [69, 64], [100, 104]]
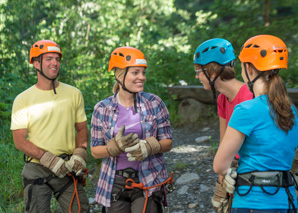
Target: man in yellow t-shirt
[[49, 126]]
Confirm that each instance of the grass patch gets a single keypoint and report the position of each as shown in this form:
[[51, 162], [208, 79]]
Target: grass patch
[[180, 165]]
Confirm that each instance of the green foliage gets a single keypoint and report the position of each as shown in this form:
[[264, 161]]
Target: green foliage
[[168, 32]]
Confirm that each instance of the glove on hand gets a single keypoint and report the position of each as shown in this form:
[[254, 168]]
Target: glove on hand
[[78, 160], [117, 145], [56, 164], [220, 199], [147, 147], [229, 180]]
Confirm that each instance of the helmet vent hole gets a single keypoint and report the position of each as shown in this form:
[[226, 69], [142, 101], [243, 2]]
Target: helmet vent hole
[[115, 53], [41, 46], [281, 58], [248, 46], [36, 45], [198, 55], [263, 53], [222, 50], [120, 54], [213, 47], [128, 58], [256, 46], [205, 50]]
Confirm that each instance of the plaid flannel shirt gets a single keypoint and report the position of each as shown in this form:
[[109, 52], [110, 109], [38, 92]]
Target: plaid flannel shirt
[[154, 121]]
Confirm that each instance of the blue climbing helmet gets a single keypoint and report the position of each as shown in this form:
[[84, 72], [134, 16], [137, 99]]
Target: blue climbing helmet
[[216, 50]]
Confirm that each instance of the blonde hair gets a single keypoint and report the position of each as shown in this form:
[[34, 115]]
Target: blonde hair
[[119, 73]]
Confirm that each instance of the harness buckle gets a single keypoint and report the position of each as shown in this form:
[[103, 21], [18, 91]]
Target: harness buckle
[[114, 197], [128, 173], [40, 181]]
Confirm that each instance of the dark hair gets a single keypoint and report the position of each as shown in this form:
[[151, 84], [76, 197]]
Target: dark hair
[[215, 68]]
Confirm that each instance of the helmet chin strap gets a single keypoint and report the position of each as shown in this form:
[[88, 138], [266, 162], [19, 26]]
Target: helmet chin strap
[[251, 83], [212, 83], [125, 89], [51, 79]]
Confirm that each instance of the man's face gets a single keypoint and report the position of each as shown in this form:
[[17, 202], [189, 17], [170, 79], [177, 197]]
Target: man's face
[[50, 64]]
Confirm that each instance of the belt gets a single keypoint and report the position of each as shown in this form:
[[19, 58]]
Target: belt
[[128, 173], [268, 178]]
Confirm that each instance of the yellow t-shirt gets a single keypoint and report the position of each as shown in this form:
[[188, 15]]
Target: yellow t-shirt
[[49, 118]]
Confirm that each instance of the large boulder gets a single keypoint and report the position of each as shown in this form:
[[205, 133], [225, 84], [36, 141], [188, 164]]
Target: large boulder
[[190, 110]]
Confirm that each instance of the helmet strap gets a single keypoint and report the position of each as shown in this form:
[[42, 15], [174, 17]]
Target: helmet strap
[[212, 83], [51, 79], [251, 83], [125, 89]]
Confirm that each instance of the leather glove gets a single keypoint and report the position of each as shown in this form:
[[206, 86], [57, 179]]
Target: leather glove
[[220, 199], [56, 164], [117, 145], [78, 160], [229, 180], [147, 147]]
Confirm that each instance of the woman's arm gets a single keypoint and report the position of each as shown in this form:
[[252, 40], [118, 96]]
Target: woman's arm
[[166, 145], [228, 148], [222, 128], [99, 152]]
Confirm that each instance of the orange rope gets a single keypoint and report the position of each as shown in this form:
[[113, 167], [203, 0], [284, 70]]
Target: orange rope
[[75, 192], [130, 184]]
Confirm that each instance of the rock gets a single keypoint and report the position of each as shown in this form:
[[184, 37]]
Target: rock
[[92, 201], [192, 205], [191, 110], [204, 188], [202, 139], [183, 190], [187, 177]]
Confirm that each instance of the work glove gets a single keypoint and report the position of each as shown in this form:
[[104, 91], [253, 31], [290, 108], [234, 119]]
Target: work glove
[[117, 145], [220, 199], [56, 164], [78, 160], [229, 180], [147, 147]]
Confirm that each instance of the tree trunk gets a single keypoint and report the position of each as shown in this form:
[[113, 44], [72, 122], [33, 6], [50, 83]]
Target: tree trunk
[[266, 15]]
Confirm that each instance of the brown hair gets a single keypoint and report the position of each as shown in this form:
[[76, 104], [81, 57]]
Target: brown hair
[[119, 73], [36, 59], [215, 68], [279, 102]]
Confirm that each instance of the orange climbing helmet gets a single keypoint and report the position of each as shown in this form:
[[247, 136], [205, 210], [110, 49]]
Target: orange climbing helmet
[[44, 46], [123, 57], [265, 52]]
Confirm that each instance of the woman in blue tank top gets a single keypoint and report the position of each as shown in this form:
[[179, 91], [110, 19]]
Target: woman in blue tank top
[[263, 131]]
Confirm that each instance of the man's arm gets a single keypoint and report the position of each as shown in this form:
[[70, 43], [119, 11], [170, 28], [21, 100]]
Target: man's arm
[[24, 145], [82, 135]]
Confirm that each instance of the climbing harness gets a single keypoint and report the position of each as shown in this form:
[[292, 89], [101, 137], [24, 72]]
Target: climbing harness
[[130, 184], [279, 179], [40, 181], [128, 173]]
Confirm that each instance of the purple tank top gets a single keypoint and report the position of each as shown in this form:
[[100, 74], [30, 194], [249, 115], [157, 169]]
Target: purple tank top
[[132, 122]]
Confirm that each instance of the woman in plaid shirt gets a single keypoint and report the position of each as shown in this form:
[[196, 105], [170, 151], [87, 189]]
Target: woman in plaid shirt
[[130, 131]]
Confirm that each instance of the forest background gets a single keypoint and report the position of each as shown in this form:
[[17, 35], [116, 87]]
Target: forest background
[[167, 32]]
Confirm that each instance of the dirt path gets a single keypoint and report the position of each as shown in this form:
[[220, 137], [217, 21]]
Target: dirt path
[[191, 161]]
